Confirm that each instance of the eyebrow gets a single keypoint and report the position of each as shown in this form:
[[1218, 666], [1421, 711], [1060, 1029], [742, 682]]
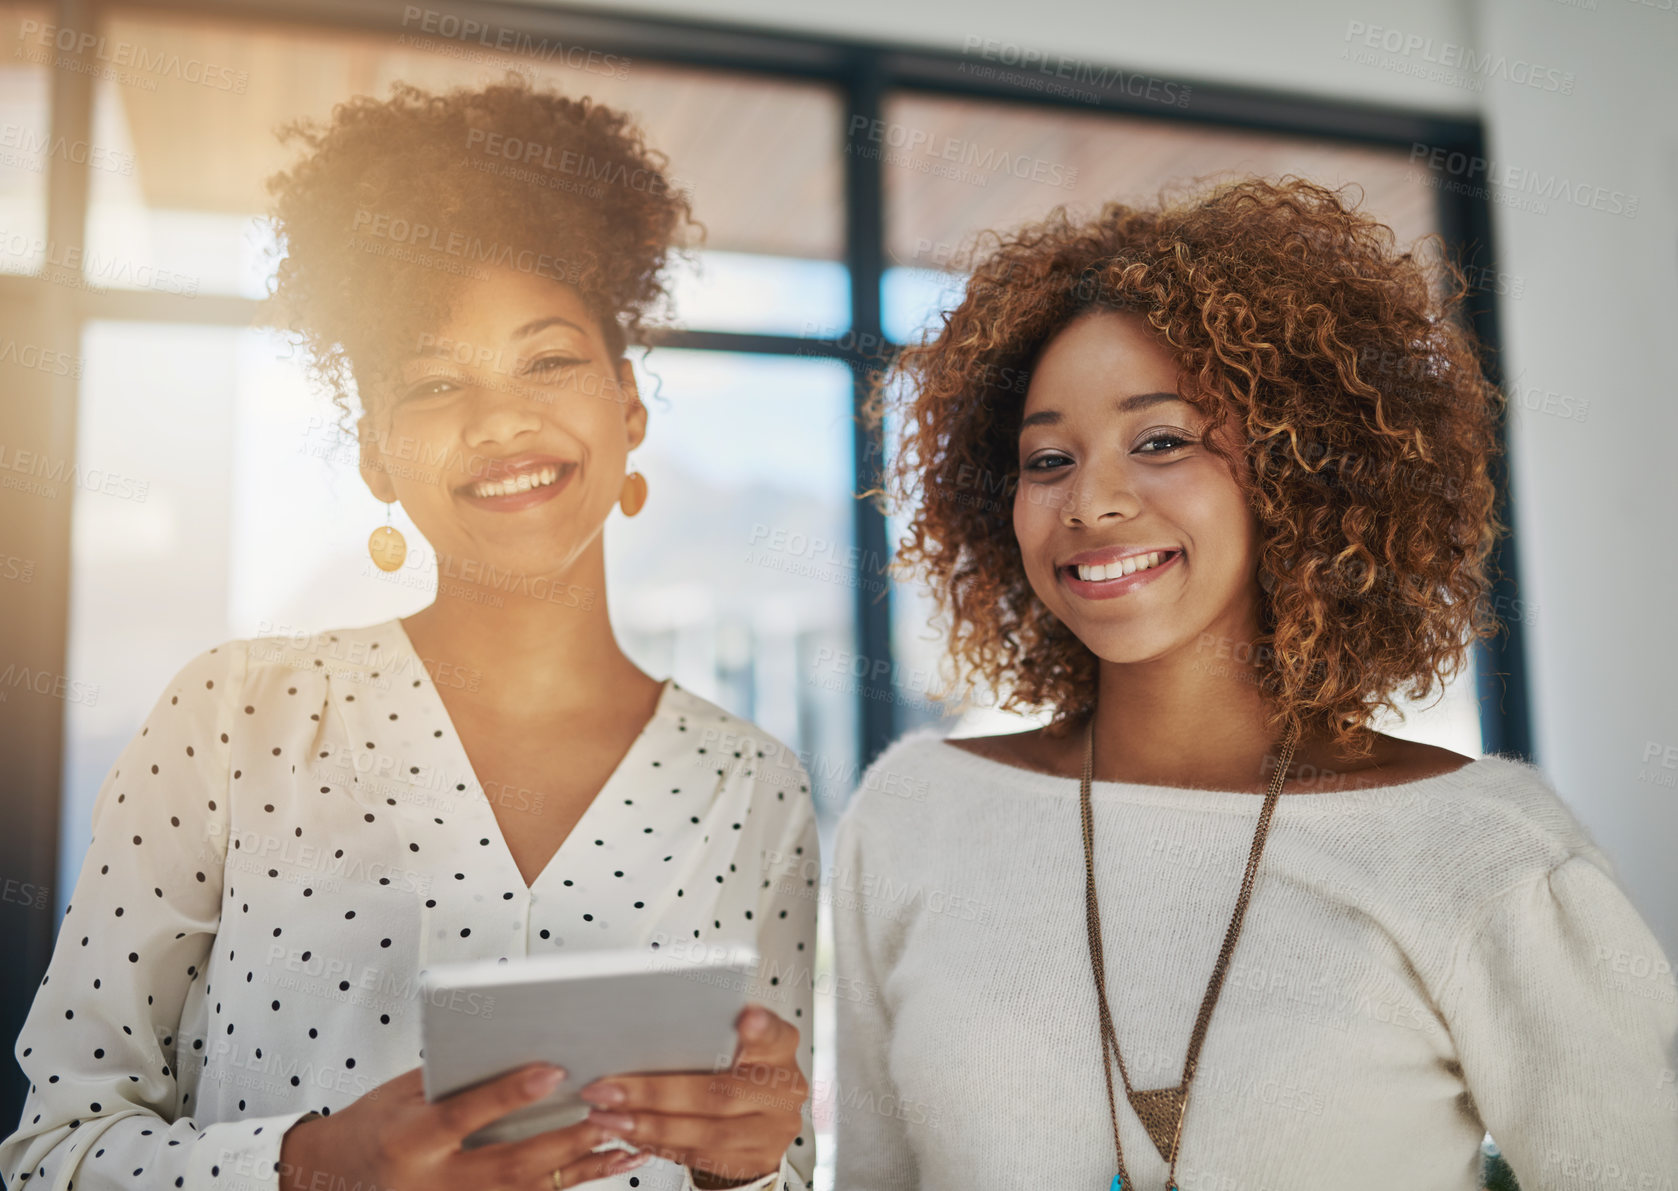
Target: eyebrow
[[531, 328], [1124, 405]]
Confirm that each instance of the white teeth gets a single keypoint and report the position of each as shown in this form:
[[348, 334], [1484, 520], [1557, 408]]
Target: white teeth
[[523, 482], [1126, 566]]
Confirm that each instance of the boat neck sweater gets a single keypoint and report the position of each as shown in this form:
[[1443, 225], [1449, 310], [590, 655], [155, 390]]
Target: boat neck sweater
[[1421, 963]]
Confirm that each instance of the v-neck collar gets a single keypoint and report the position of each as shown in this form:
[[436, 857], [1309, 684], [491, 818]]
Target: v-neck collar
[[478, 802]]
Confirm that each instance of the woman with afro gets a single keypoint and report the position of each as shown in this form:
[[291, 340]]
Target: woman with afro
[[1206, 483], [305, 823]]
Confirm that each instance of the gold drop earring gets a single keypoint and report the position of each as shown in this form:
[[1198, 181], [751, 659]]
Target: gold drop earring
[[387, 546], [633, 495]]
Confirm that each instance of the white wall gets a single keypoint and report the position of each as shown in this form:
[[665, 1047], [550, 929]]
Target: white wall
[[1590, 316], [1597, 500]]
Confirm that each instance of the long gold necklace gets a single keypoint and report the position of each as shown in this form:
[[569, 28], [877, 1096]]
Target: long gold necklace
[[1161, 1110]]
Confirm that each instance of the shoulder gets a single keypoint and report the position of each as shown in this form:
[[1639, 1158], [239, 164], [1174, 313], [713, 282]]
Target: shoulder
[[922, 754], [214, 676], [1548, 891], [1033, 749], [195, 714], [714, 738], [902, 782], [283, 648], [1392, 761], [243, 671], [1514, 801], [718, 731], [1454, 843]]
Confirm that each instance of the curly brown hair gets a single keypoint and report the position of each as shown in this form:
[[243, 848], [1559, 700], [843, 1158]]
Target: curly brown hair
[[1369, 430], [397, 198]]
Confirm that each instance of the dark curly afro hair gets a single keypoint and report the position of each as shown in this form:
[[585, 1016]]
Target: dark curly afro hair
[[1369, 426], [395, 200]]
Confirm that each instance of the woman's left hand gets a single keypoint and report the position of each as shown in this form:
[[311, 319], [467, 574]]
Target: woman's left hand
[[728, 1127]]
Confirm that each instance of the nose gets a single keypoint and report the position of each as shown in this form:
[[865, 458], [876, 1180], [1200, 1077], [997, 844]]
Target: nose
[[500, 411], [1100, 493]]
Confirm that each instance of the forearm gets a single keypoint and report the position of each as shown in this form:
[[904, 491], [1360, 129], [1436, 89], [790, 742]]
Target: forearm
[[300, 1160]]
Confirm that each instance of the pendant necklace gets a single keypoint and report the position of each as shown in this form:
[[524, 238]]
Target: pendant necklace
[[1161, 1110]]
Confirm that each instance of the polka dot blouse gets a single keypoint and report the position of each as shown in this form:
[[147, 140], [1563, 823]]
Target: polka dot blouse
[[294, 835]]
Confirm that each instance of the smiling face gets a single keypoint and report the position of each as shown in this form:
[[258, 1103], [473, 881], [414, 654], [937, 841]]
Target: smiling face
[[1113, 480], [506, 435]]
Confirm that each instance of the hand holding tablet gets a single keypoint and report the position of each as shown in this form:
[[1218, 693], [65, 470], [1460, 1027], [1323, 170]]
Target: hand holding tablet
[[728, 1127], [662, 1048], [394, 1137], [651, 1036]]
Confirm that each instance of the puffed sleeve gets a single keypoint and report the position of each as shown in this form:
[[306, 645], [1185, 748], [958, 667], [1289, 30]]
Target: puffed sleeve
[[104, 1108], [1565, 1013], [786, 945], [871, 1148]]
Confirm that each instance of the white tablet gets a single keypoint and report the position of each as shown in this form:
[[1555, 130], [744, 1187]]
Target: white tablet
[[595, 1013]]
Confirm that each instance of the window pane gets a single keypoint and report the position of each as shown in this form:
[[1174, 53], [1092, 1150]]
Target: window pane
[[912, 296], [919, 646], [738, 576], [227, 505], [1017, 162], [759, 158], [148, 550], [27, 152], [736, 291]]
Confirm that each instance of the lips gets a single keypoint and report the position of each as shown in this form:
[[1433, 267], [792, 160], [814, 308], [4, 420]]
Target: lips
[[518, 481], [1104, 574], [1095, 570]]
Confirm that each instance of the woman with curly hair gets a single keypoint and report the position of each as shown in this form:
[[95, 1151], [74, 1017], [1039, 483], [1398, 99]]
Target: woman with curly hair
[[1207, 482], [306, 823]]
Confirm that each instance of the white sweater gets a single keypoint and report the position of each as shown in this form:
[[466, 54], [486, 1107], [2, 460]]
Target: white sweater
[[1421, 964]]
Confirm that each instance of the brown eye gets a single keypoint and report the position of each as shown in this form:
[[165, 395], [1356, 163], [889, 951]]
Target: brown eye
[[432, 386], [1163, 442], [552, 365]]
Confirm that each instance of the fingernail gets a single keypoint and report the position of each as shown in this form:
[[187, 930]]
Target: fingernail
[[617, 1122], [627, 1162], [757, 1022], [544, 1079], [602, 1093]]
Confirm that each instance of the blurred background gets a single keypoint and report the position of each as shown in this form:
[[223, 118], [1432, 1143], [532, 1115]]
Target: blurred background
[[170, 481]]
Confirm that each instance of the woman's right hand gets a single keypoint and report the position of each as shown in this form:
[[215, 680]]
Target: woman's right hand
[[392, 1138]]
